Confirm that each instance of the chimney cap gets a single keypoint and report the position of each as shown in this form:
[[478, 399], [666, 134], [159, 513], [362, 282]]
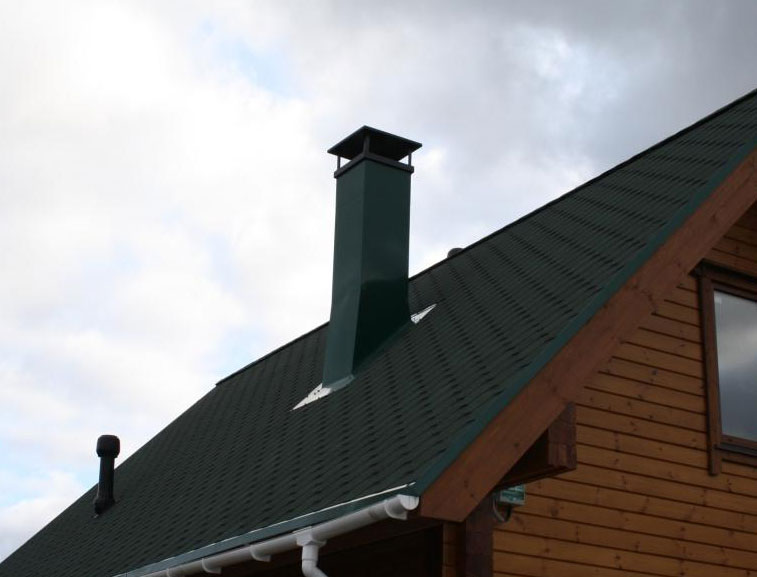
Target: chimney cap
[[108, 446], [375, 141]]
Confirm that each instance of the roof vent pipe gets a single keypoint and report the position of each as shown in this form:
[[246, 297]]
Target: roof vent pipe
[[108, 448], [371, 242]]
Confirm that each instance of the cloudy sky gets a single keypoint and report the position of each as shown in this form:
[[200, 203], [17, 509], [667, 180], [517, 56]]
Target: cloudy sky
[[166, 202]]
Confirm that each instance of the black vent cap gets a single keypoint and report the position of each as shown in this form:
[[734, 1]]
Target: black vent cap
[[377, 142], [108, 446]]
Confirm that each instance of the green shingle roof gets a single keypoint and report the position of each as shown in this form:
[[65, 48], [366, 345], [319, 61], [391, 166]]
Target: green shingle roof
[[240, 465]]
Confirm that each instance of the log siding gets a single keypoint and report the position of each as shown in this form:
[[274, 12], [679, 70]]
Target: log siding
[[642, 501]]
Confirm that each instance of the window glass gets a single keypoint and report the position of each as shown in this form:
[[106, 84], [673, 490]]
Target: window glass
[[736, 328]]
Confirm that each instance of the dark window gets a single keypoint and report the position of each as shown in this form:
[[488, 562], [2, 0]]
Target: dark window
[[729, 328]]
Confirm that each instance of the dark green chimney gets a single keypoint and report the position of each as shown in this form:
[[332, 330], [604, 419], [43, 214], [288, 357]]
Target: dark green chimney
[[369, 291]]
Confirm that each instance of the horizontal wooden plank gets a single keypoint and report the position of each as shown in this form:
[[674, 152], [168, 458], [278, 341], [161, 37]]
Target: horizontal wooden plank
[[674, 438], [736, 248], [637, 522], [526, 524], [677, 312], [742, 234], [732, 261], [674, 363], [672, 328], [734, 469], [684, 297], [613, 558], [641, 427], [649, 393], [689, 283], [667, 344], [662, 488], [528, 566], [654, 449], [610, 557], [654, 376], [665, 470], [646, 504], [739, 470], [585, 554], [637, 408]]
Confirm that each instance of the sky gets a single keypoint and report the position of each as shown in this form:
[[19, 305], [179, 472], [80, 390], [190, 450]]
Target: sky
[[167, 204]]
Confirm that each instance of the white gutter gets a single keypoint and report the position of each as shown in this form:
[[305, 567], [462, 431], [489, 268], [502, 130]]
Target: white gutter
[[310, 539]]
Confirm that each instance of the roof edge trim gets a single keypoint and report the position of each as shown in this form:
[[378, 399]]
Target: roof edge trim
[[521, 379], [592, 180], [270, 354], [279, 528]]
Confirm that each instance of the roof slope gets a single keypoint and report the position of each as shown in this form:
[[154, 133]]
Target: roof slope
[[240, 460]]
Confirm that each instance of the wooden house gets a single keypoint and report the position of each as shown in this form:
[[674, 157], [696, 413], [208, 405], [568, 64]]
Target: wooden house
[[600, 352]]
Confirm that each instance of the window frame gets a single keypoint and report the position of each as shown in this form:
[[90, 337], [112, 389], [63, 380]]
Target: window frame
[[722, 447]]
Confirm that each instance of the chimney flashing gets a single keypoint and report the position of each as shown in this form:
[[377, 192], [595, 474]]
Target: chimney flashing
[[322, 390]]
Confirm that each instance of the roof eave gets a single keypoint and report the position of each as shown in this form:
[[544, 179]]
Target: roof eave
[[268, 532]]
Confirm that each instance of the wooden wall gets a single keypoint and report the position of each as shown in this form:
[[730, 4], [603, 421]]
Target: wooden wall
[[641, 501]]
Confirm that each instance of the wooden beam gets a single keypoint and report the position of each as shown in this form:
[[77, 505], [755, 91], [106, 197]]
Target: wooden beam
[[554, 452], [476, 541], [459, 489]]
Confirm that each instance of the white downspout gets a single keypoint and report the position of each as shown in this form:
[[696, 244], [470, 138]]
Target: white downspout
[[310, 546]]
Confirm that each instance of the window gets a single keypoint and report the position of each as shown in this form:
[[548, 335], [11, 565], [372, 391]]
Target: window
[[729, 328]]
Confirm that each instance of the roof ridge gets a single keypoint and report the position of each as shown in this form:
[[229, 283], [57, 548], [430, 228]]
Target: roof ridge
[[591, 181], [272, 352]]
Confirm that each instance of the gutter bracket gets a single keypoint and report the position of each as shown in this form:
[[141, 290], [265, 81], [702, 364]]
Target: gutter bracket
[[257, 556], [209, 568]]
